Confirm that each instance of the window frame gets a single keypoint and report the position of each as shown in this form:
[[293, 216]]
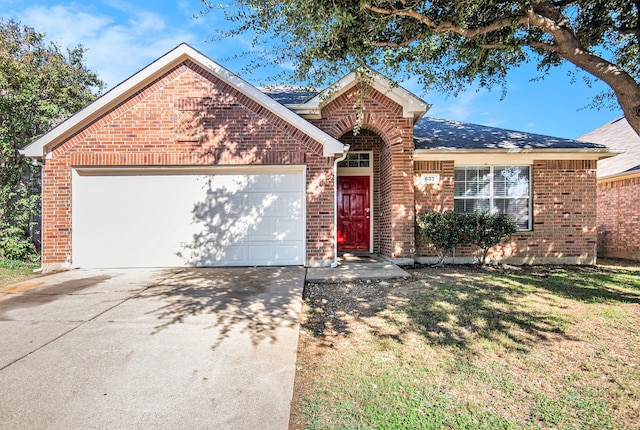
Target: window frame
[[492, 197]]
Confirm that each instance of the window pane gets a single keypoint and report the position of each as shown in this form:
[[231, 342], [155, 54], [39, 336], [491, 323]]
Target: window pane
[[511, 181], [472, 181], [459, 181], [516, 209], [471, 205], [482, 181]]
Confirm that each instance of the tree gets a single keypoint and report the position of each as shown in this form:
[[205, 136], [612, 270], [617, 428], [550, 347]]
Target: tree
[[450, 44], [39, 87]]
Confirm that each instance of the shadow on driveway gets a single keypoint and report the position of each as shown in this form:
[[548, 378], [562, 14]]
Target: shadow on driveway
[[259, 300]]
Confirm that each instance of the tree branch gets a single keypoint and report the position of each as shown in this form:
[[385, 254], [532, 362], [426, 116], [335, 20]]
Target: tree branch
[[393, 44], [448, 26]]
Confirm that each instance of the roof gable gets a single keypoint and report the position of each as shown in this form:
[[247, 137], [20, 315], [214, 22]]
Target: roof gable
[[412, 106], [41, 146]]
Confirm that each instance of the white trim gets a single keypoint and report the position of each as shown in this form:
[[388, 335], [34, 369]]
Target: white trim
[[486, 157], [619, 176], [412, 106], [186, 170], [183, 52]]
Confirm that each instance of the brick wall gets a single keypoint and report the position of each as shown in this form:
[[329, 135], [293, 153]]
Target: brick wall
[[619, 218], [186, 117], [395, 221], [432, 198], [564, 213]]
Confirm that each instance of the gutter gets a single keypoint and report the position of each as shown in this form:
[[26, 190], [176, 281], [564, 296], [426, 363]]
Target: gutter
[[345, 151]]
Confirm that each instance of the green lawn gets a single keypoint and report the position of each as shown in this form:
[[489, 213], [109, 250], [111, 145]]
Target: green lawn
[[471, 348], [15, 271]]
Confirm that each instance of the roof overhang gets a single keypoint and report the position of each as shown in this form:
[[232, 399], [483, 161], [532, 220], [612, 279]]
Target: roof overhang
[[619, 176], [510, 156], [412, 106], [42, 146]]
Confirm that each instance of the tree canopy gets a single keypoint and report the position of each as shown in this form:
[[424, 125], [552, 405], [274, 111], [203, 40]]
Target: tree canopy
[[40, 86], [451, 44]]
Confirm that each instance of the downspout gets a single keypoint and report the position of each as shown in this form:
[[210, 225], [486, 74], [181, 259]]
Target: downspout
[[345, 151]]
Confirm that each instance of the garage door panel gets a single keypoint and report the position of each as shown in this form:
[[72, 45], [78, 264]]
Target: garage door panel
[[187, 219]]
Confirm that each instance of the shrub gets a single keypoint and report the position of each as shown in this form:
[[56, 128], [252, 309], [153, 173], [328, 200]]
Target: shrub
[[489, 230], [445, 230], [448, 230]]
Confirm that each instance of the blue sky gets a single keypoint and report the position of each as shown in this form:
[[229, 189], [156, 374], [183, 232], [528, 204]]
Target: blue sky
[[124, 36]]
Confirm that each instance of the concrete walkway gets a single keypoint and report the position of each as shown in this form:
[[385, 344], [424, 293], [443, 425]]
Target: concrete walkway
[[354, 266], [140, 349]]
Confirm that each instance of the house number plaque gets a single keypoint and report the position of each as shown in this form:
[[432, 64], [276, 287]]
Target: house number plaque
[[430, 178]]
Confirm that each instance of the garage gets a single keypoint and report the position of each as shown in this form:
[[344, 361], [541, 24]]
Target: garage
[[188, 216]]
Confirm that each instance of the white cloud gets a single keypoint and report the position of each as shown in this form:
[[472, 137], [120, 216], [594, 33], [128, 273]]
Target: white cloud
[[119, 43]]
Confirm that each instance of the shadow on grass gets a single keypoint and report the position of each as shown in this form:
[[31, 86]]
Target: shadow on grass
[[464, 306], [586, 284]]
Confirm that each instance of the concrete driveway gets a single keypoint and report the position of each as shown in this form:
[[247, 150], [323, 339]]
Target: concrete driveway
[[161, 348]]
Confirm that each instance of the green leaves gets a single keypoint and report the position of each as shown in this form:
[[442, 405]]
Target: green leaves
[[40, 86], [449, 230], [447, 45]]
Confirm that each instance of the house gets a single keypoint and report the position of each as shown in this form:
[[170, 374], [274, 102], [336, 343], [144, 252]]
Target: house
[[618, 191], [185, 164]]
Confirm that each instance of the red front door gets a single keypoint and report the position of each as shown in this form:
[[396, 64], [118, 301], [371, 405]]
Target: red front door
[[354, 213]]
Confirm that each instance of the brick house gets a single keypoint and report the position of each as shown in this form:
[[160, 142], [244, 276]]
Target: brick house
[[618, 190], [185, 164]]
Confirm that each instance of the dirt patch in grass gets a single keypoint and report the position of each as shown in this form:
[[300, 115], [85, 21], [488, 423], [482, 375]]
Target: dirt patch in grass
[[465, 347]]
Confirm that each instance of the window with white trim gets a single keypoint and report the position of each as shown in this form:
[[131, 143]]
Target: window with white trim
[[356, 159], [495, 189]]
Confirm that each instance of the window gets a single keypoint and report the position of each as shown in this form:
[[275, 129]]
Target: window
[[355, 159], [495, 189]]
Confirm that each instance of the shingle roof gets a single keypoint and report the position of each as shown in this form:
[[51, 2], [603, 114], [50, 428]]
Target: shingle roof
[[442, 134], [288, 95], [435, 133], [617, 134]]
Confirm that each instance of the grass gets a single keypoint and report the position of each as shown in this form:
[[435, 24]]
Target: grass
[[469, 348], [12, 271]]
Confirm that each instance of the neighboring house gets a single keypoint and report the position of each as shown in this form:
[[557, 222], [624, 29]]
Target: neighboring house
[[618, 191], [185, 164]]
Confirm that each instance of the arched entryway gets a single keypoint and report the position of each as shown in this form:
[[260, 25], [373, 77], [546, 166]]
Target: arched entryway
[[363, 193]]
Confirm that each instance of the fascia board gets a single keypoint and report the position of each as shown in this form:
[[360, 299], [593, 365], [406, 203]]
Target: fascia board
[[178, 55], [619, 176], [480, 156]]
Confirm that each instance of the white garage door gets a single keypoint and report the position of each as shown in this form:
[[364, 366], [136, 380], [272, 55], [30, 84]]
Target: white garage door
[[179, 217]]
